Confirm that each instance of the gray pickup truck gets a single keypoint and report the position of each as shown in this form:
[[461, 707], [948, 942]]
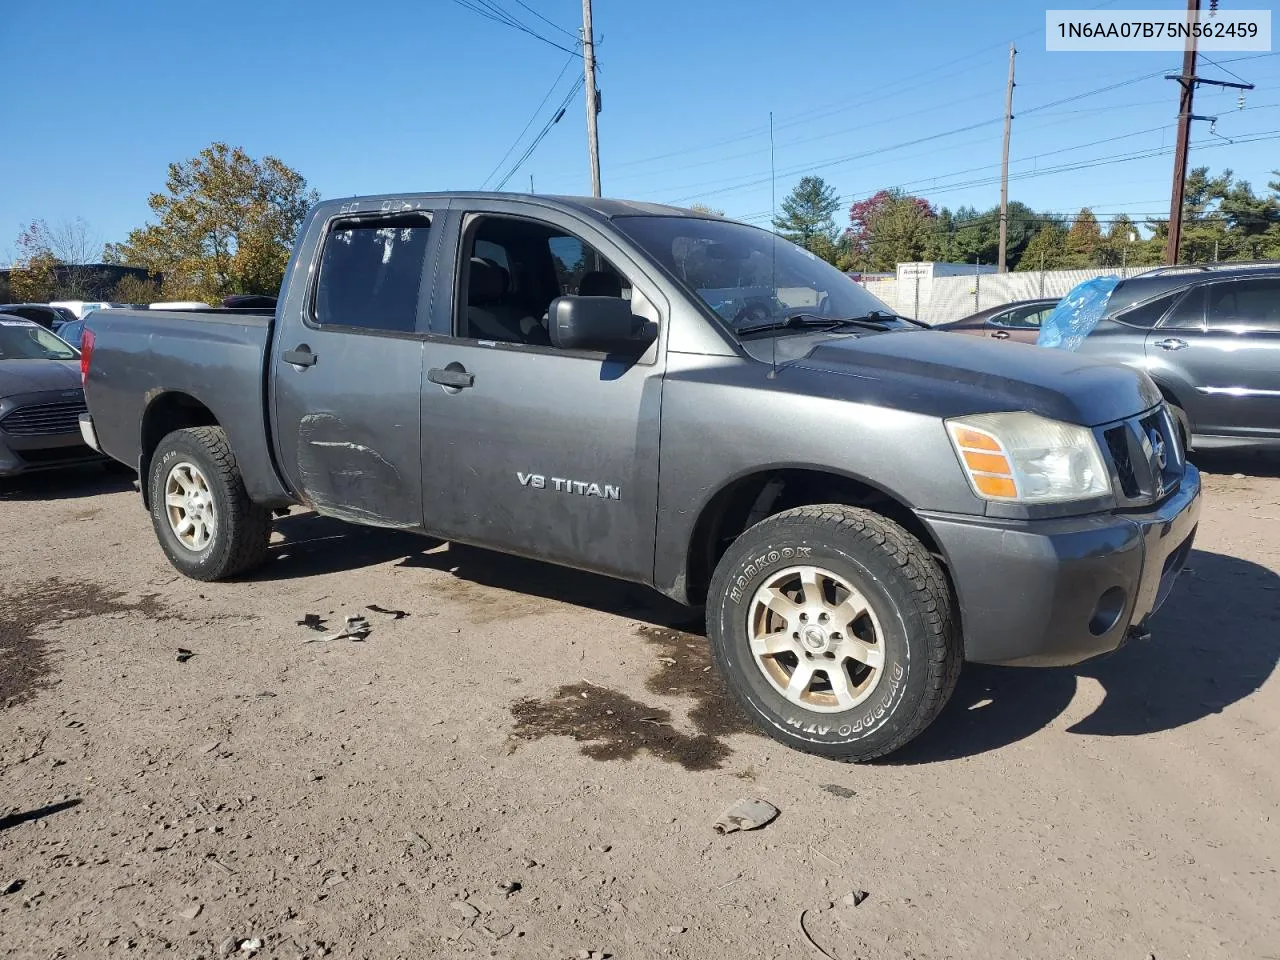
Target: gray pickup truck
[[676, 400]]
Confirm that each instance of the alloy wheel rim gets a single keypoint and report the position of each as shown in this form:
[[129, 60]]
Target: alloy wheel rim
[[815, 638], [189, 506]]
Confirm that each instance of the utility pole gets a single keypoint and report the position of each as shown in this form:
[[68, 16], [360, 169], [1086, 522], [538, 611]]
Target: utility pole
[[1187, 80], [1004, 167], [593, 102]]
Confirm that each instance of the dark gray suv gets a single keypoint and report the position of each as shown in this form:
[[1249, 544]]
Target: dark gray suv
[[1210, 339]]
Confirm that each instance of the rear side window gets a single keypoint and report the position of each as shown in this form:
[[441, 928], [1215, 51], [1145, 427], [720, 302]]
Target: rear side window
[[1148, 313], [1244, 306], [1189, 313], [1023, 318], [371, 273]]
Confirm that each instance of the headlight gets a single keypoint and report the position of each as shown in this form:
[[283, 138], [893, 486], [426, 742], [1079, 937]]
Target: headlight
[[1026, 458]]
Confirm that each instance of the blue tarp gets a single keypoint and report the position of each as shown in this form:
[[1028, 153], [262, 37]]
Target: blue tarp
[[1076, 314]]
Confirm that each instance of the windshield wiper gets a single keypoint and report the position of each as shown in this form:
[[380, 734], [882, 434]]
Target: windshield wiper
[[795, 321]]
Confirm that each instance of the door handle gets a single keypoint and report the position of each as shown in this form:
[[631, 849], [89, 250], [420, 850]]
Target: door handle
[[300, 356], [451, 376], [1000, 335], [1171, 343]]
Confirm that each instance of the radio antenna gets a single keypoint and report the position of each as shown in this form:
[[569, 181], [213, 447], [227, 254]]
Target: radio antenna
[[773, 244]]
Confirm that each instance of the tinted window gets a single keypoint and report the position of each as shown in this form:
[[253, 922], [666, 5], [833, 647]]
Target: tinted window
[[1022, 318], [1147, 314], [1243, 306], [43, 317], [371, 273], [1189, 313], [21, 340]]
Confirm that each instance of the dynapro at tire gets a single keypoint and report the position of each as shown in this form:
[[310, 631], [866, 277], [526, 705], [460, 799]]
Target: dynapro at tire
[[240, 529], [896, 612]]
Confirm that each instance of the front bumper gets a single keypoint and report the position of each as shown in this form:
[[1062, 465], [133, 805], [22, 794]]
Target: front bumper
[[1055, 592], [28, 452]]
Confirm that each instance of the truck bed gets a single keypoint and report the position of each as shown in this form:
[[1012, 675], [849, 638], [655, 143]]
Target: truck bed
[[161, 360]]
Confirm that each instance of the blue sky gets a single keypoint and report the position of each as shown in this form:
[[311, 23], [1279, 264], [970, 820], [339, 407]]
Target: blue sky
[[389, 95]]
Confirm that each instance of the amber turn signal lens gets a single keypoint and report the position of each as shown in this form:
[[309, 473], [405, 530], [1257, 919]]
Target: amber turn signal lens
[[1002, 487], [973, 440], [987, 463]]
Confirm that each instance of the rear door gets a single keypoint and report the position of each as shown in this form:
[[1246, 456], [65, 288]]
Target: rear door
[[347, 367], [527, 448], [1021, 324], [1234, 361]]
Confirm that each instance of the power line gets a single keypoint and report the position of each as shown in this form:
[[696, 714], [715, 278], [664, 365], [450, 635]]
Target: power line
[[555, 118], [549, 23], [836, 161], [1092, 163], [536, 111], [491, 10]]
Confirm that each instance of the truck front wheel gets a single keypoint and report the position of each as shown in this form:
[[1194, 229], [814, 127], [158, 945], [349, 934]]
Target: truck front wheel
[[204, 519], [832, 625]]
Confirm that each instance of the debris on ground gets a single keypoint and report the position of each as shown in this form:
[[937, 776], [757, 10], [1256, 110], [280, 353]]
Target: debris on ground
[[590, 955], [844, 793], [467, 910], [746, 814], [809, 939], [184, 654], [393, 614], [355, 628], [312, 621], [856, 897], [250, 946]]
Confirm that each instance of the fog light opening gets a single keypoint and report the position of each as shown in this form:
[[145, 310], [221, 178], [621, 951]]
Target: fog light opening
[[1107, 613]]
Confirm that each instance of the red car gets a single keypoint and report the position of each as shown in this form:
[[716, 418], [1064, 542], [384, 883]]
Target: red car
[[1010, 321]]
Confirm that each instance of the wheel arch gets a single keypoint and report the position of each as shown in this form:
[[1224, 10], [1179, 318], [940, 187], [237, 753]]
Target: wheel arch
[[762, 492], [166, 412]]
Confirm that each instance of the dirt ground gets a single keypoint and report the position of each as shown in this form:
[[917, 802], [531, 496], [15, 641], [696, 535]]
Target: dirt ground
[[530, 762]]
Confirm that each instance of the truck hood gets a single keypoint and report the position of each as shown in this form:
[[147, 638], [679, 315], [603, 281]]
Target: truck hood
[[33, 376], [952, 375]]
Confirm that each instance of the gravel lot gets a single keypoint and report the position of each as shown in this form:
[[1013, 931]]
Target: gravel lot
[[529, 764]]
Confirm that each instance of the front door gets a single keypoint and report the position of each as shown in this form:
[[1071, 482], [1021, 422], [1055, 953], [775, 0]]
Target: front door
[[1225, 338], [550, 454], [347, 373]]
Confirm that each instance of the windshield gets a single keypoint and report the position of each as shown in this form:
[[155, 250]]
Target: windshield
[[23, 340], [748, 276]]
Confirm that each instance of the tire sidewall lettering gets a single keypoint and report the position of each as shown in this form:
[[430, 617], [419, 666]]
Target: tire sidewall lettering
[[867, 718]]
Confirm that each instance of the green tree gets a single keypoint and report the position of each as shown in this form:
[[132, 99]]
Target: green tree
[[1084, 240], [889, 228], [1047, 250], [134, 289], [225, 224], [57, 262], [808, 215], [704, 209]]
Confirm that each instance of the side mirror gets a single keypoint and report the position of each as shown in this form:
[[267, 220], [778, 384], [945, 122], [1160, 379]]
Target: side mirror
[[605, 324]]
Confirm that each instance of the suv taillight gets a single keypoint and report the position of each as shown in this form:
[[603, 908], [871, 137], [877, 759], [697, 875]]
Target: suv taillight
[[86, 355]]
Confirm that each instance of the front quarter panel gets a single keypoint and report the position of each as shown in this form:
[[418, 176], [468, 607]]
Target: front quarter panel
[[727, 418]]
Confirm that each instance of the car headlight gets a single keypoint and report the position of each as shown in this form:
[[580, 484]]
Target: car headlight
[[1022, 457]]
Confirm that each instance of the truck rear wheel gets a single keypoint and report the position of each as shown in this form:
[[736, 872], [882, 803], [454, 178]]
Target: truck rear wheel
[[204, 519], [833, 627]]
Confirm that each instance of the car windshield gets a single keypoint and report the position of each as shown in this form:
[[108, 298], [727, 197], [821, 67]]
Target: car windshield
[[753, 280], [22, 340]]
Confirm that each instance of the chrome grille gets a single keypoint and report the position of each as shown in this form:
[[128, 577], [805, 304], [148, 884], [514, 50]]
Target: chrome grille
[[1144, 456], [44, 419]]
